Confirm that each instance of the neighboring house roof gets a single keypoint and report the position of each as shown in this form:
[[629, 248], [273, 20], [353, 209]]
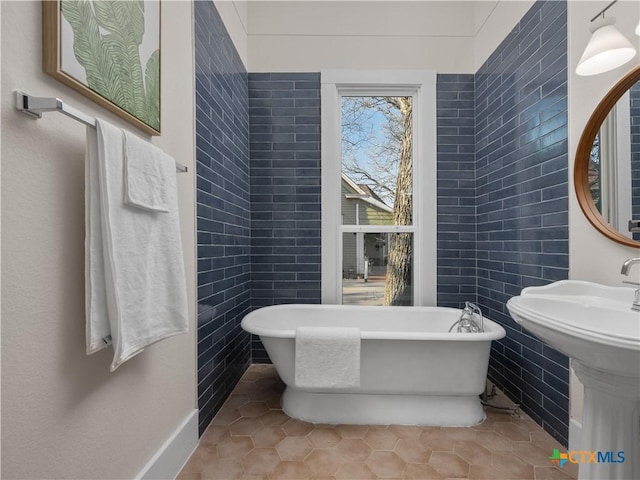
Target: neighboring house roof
[[370, 192], [364, 193]]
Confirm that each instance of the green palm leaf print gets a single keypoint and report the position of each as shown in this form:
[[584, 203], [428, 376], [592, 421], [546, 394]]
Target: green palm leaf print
[[106, 42]]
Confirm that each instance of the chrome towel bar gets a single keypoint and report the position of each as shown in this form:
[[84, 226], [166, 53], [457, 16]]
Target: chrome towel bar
[[35, 106]]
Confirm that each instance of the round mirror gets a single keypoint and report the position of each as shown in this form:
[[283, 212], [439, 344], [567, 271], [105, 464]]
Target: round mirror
[[607, 167]]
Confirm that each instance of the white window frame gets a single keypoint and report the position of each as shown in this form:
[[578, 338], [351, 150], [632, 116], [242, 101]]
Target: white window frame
[[421, 85]]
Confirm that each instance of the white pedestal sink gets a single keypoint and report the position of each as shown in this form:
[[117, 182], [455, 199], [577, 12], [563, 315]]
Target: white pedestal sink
[[594, 325]]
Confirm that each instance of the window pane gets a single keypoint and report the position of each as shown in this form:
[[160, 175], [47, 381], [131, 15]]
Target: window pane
[[377, 164], [377, 268], [595, 174]]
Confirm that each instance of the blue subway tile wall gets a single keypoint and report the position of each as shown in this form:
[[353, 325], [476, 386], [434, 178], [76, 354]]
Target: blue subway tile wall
[[502, 200], [522, 201], [223, 211], [284, 118], [456, 230], [634, 95]]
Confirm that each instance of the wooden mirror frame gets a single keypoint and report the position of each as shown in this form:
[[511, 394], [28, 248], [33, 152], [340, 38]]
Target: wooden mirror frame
[[581, 167]]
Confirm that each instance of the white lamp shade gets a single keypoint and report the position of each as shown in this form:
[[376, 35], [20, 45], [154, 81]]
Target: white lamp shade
[[638, 28], [607, 49]]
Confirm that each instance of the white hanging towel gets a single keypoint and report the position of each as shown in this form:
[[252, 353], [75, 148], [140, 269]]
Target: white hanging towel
[[98, 330], [145, 175], [327, 357], [136, 287]]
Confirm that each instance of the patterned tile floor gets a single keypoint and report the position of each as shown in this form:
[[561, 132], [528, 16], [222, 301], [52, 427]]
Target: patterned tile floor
[[252, 438]]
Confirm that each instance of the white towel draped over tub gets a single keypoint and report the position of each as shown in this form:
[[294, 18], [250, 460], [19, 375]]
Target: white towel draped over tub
[[327, 357], [135, 280]]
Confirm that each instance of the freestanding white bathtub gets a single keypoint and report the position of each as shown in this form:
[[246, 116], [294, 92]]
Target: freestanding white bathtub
[[412, 371]]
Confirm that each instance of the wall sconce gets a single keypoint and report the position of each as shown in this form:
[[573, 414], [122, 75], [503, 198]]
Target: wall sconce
[[607, 48]]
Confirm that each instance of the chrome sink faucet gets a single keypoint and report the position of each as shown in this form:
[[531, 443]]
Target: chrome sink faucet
[[626, 266]]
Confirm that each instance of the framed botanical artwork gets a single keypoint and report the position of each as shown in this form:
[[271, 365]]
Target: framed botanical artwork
[[108, 50]]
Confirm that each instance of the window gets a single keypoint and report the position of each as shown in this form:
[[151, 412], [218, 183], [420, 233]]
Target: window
[[378, 188], [609, 178]]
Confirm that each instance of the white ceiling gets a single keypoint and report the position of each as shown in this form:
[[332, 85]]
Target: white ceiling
[[368, 18], [455, 36]]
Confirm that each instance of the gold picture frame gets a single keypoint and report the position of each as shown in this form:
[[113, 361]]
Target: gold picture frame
[[106, 50]]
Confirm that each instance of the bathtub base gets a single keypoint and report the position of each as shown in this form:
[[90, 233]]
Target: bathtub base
[[377, 409]]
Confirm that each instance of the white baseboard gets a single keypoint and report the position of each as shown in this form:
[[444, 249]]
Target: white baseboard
[[169, 460], [575, 435]]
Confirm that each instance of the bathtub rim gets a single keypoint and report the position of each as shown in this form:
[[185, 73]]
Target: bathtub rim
[[493, 330]]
